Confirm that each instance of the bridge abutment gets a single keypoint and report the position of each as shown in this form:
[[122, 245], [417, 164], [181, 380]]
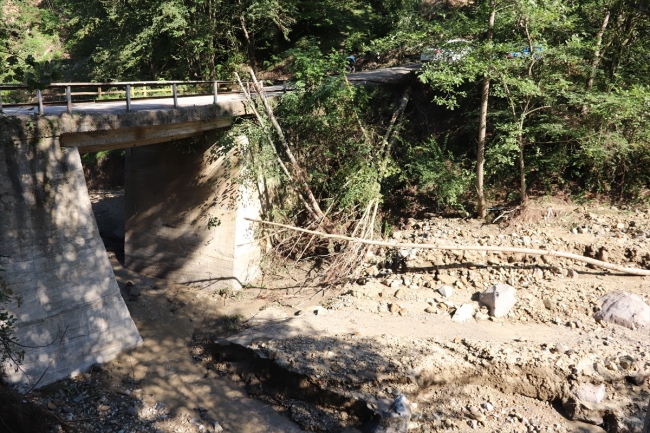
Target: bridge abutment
[[68, 306]]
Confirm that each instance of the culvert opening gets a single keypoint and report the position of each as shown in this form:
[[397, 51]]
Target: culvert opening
[[104, 174]]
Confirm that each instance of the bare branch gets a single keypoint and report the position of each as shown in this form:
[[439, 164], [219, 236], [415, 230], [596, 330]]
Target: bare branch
[[576, 257]]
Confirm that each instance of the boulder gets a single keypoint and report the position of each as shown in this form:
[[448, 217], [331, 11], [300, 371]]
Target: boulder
[[586, 404], [625, 309], [499, 298], [591, 413], [590, 393], [630, 425], [463, 313], [396, 419]]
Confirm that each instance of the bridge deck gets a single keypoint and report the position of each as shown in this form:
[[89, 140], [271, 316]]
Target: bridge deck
[[379, 76], [119, 106]]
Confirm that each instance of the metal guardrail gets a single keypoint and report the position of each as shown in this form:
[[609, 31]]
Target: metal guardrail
[[128, 86]]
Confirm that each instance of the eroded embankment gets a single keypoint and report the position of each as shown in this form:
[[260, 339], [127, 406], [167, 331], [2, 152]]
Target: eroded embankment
[[332, 383]]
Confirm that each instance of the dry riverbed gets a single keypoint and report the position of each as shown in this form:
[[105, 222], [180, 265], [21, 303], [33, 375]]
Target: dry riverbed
[[287, 357]]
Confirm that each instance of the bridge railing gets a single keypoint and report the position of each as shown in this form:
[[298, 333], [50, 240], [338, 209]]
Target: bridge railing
[[60, 93]]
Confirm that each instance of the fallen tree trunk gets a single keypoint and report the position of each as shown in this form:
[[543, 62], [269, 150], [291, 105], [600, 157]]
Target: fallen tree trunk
[[576, 257], [298, 172]]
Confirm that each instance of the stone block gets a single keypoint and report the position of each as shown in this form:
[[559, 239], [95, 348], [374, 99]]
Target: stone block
[[499, 298]]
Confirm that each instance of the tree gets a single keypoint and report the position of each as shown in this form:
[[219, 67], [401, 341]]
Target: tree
[[27, 32], [482, 126], [262, 20]]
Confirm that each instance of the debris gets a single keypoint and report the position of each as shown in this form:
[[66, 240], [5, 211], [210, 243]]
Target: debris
[[445, 291], [463, 313]]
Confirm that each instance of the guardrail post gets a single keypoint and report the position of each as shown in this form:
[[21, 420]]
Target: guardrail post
[[39, 98], [174, 91], [68, 98], [215, 97], [128, 97], [99, 92], [215, 85]]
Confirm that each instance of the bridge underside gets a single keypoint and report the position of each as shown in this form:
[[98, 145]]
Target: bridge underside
[[94, 141], [68, 305]]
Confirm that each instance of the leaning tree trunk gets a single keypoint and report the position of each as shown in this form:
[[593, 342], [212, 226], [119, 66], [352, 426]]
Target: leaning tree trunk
[[250, 47]]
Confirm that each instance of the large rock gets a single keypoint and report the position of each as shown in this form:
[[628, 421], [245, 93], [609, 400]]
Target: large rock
[[463, 313], [446, 291], [625, 309], [499, 298], [590, 393], [584, 411], [396, 418], [586, 403]]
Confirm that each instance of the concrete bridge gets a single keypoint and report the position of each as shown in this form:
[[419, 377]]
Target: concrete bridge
[[68, 304]]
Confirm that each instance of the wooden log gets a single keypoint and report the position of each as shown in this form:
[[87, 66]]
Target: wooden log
[[532, 252]]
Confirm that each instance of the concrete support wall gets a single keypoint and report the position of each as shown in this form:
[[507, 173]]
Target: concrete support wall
[[171, 193], [53, 260]]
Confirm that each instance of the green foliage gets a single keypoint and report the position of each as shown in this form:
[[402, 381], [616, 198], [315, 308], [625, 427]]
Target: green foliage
[[541, 109], [28, 34], [233, 323], [213, 222], [333, 131], [96, 158], [41, 74], [613, 143], [440, 174], [8, 342]]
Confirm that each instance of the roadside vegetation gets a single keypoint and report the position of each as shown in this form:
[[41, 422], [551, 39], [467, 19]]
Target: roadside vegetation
[[538, 98]]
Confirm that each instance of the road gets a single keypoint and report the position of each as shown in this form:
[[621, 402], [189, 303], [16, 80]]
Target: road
[[380, 76]]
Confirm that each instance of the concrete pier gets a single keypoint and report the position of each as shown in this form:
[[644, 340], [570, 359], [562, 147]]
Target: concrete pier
[[171, 195]]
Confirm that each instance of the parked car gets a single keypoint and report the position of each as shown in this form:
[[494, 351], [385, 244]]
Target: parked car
[[451, 51], [525, 52]]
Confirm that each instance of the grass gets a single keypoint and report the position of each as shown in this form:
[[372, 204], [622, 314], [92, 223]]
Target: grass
[[233, 323]]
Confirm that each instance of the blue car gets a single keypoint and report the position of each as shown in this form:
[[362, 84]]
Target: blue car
[[526, 52]]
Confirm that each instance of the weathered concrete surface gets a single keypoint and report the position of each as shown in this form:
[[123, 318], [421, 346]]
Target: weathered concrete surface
[[170, 196], [95, 132], [140, 136], [70, 314]]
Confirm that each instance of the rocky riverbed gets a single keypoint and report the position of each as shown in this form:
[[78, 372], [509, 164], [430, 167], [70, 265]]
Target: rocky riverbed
[[287, 356], [546, 365]]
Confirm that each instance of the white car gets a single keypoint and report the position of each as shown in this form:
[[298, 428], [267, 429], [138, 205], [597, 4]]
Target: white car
[[452, 51]]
